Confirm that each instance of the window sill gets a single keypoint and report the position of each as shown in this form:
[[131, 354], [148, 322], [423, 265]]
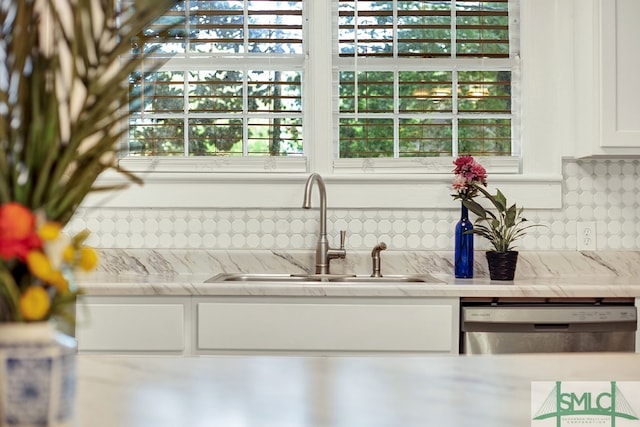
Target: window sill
[[422, 165], [285, 191], [261, 164]]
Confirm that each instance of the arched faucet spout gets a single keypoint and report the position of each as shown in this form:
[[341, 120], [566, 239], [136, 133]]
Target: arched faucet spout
[[324, 253], [322, 191]]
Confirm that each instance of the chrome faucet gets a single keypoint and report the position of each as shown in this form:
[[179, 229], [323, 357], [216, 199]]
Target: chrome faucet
[[324, 254]]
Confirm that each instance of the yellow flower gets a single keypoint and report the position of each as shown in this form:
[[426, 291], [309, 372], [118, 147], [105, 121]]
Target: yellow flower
[[40, 267], [54, 242], [88, 258], [69, 254], [34, 303], [49, 231], [58, 281]]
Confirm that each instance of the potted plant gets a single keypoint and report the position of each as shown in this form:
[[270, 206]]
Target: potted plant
[[501, 229], [64, 96]]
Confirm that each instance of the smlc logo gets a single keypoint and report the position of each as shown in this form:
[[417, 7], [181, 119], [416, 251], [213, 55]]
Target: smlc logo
[[583, 404]]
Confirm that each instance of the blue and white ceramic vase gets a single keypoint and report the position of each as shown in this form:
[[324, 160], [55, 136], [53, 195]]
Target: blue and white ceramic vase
[[37, 376], [463, 258]]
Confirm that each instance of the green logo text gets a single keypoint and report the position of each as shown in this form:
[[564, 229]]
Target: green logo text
[[610, 403]]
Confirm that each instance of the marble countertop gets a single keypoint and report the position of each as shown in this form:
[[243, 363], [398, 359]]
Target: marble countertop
[[539, 274], [282, 391]]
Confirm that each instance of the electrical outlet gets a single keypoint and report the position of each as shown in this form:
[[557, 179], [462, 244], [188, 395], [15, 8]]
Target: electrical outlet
[[586, 236]]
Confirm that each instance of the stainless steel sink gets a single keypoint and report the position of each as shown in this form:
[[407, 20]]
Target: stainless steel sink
[[391, 278], [266, 277], [334, 278]]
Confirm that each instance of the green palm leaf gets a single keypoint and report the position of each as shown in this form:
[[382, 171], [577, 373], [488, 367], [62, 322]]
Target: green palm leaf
[[66, 117]]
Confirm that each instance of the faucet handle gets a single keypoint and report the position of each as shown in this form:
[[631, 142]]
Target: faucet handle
[[343, 236], [338, 253]]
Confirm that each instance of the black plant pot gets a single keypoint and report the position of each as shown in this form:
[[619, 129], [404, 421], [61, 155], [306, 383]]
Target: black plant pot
[[502, 265]]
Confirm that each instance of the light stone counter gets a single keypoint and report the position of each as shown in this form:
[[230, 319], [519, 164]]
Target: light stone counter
[[539, 274], [279, 391]]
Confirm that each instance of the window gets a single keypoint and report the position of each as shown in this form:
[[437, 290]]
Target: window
[[425, 78], [412, 79], [231, 85]]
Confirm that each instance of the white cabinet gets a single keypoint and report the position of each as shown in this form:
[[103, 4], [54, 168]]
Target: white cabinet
[[132, 324], [620, 91], [327, 325], [606, 69], [266, 325]]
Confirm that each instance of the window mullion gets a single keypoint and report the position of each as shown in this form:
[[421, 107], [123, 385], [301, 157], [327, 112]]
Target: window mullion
[[245, 111], [185, 115], [395, 28], [454, 34], [245, 26], [396, 85], [355, 57], [454, 110], [396, 113], [185, 109]]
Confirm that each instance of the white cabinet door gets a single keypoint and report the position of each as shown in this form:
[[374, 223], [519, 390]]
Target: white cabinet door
[[605, 66], [131, 324], [327, 325], [620, 64]]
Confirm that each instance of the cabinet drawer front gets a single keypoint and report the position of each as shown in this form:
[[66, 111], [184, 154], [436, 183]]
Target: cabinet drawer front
[[130, 327], [325, 327]]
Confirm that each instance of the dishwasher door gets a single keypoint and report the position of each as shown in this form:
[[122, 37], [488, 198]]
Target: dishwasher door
[[547, 328]]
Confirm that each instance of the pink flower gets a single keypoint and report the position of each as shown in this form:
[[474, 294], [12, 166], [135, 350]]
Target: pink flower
[[459, 183], [467, 172]]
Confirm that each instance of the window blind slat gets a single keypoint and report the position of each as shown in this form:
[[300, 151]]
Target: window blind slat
[[367, 27]]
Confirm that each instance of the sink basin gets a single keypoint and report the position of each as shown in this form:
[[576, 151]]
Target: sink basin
[[266, 277], [333, 278], [390, 278]]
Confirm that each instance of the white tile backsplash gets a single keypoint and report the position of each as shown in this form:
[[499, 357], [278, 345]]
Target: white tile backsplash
[[604, 191]]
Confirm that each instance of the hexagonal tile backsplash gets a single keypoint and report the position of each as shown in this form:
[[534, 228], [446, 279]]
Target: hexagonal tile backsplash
[[604, 191]]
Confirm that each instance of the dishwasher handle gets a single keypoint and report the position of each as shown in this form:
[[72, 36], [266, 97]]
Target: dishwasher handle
[[551, 327]]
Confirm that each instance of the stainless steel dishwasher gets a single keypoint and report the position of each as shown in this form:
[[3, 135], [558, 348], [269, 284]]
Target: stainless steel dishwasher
[[523, 325]]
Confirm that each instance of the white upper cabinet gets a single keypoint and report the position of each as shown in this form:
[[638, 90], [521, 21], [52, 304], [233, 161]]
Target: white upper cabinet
[[620, 64], [608, 107]]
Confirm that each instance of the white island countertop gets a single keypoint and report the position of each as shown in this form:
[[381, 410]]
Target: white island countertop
[[282, 391]]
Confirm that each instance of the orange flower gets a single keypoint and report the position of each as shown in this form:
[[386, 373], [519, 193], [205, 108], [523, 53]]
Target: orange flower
[[17, 231]]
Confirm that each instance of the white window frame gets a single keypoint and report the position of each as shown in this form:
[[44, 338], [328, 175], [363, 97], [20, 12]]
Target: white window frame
[[507, 164], [546, 44]]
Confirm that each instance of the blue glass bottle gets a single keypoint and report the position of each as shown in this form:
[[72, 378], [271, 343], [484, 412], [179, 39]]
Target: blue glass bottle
[[463, 261]]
